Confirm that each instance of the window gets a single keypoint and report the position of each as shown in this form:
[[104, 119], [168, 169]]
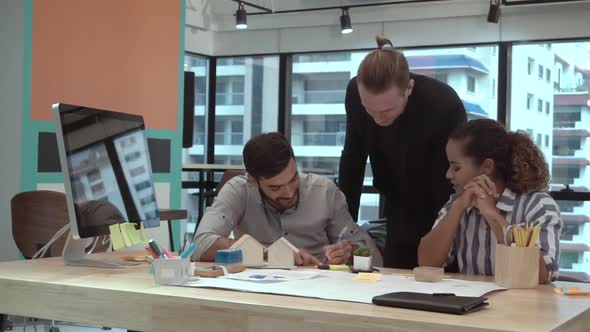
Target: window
[[566, 146], [318, 117], [441, 76], [566, 116], [321, 57], [246, 103], [326, 130], [529, 101], [229, 130], [540, 105], [539, 140], [565, 174], [230, 61], [530, 66], [563, 148], [230, 90], [494, 88], [530, 133], [470, 74], [320, 88], [470, 83]]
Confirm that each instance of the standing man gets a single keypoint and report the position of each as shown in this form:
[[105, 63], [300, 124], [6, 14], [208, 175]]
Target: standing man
[[401, 121]]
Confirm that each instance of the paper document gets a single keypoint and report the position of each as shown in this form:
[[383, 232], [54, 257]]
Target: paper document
[[272, 275], [337, 285]]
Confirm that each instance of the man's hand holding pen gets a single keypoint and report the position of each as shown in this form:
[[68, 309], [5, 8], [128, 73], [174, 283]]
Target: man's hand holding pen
[[337, 253]]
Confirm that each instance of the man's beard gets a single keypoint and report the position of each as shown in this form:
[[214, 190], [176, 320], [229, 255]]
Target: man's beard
[[277, 203]]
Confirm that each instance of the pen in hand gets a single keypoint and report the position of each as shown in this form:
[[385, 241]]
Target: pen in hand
[[342, 232]]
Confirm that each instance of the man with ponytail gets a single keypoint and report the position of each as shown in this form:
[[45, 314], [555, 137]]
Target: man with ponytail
[[500, 179], [401, 121]]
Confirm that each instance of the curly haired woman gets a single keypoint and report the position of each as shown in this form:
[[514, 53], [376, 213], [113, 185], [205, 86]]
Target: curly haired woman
[[500, 178]]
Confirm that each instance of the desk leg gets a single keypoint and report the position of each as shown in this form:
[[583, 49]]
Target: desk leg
[[200, 198], [171, 235], [201, 195]]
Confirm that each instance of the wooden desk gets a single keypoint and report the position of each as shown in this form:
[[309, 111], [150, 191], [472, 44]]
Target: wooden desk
[[128, 298]]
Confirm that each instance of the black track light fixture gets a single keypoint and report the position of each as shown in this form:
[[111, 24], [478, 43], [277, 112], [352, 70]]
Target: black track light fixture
[[494, 11], [345, 25], [241, 23]]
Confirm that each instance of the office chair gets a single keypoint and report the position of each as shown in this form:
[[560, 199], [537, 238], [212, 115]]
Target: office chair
[[36, 217], [207, 197], [227, 175]]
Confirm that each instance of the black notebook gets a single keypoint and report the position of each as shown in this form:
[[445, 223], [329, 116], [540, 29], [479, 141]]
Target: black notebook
[[446, 303]]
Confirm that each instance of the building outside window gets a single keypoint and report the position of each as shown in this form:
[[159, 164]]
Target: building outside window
[[566, 133], [471, 83], [246, 103]]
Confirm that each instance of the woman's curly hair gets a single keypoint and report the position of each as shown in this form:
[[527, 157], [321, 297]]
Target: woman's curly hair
[[518, 161]]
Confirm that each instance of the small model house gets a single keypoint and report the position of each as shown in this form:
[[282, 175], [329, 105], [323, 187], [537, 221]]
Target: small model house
[[252, 251], [281, 254]]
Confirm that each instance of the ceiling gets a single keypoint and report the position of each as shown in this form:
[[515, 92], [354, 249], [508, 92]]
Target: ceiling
[[222, 7]]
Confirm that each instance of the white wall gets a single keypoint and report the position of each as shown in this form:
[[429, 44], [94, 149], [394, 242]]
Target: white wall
[[443, 23], [11, 65]]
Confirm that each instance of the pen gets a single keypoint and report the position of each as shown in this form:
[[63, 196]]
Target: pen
[[334, 267], [188, 251], [342, 234], [167, 253], [155, 247], [151, 251], [325, 260]]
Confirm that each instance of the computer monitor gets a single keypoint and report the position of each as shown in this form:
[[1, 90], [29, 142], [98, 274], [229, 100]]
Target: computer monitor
[[107, 172]]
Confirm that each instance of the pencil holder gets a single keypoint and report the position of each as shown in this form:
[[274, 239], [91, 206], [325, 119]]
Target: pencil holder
[[175, 271], [517, 267]]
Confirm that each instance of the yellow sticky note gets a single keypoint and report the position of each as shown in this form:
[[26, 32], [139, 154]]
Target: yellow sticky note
[[116, 238], [133, 234], [368, 277], [124, 234], [142, 236]]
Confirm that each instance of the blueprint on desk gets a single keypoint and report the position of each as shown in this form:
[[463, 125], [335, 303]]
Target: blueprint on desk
[[338, 285]]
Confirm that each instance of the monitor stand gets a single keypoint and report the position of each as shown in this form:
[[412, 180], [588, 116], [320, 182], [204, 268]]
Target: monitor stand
[[74, 254]]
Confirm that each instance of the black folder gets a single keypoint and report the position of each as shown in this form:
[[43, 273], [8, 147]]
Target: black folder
[[445, 303]]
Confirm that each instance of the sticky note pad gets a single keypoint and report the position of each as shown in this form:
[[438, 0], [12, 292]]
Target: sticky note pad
[[142, 236], [124, 235], [133, 234], [368, 277], [116, 237]]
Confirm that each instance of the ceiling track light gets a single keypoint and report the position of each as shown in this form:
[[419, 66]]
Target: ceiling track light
[[241, 23], [345, 24], [494, 11]]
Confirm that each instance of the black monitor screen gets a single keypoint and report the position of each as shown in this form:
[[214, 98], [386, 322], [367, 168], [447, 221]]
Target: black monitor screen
[[109, 170]]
